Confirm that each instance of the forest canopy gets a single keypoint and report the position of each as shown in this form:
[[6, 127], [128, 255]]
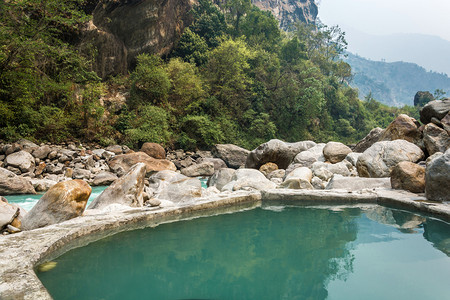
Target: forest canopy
[[233, 77]]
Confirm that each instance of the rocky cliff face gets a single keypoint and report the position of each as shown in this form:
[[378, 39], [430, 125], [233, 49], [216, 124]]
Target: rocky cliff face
[[122, 29], [289, 11]]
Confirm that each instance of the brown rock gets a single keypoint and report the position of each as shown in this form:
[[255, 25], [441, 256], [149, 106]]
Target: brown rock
[[408, 176], [335, 152], [268, 168], [15, 185], [63, 201], [403, 128], [68, 173], [122, 163], [154, 150], [40, 169]]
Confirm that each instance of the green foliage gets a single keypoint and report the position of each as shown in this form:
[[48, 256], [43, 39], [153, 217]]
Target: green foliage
[[192, 48], [150, 83], [150, 125], [209, 22], [199, 132]]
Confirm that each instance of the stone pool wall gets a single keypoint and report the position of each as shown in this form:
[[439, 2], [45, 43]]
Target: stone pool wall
[[21, 253]]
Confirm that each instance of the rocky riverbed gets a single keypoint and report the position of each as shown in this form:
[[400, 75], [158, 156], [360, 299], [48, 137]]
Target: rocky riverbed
[[406, 156]]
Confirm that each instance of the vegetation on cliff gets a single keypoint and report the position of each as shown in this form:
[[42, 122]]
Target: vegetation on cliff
[[234, 77]]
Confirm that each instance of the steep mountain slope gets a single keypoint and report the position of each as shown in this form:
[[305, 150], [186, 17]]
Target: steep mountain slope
[[396, 83]]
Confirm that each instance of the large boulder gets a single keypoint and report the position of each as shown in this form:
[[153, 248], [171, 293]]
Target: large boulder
[[434, 109], [308, 157], [104, 178], [335, 152], [154, 150], [234, 156], [357, 183], [249, 179], [381, 157], [21, 160], [408, 176], [127, 190], [63, 201], [370, 139], [437, 178], [276, 151], [11, 184], [435, 139], [299, 178], [404, 128], [175, 187], [202, 169], [221, 177], [121, 164]]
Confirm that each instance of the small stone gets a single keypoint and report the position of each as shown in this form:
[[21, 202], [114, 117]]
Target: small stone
[[12, 229], [268, 168]]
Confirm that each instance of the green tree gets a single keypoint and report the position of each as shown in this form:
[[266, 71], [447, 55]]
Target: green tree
[[209, 22], [191, 48], [261, 29], [150, 83]]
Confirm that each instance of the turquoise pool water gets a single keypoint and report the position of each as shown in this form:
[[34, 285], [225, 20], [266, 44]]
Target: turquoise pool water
[[28, 201], [274, 252]]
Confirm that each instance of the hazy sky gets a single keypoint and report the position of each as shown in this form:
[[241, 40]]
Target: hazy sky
[[389, 16]]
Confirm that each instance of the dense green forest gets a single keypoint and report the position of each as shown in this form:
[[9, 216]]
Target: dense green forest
[[234, 77], [395, 83]]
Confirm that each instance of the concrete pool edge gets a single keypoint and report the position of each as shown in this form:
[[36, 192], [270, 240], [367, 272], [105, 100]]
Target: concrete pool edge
[[20, 253]]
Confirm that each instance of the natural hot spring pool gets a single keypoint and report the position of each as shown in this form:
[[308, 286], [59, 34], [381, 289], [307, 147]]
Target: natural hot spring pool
[[274, 252]]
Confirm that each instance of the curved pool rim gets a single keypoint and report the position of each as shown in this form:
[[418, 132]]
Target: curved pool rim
[[21, 253]]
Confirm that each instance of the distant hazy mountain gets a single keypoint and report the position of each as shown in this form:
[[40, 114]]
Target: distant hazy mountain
[[430, 52], [396, 83]]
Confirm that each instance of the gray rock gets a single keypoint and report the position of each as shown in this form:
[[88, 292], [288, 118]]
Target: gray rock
[[276, 151], [249, 179], [26, 143], [280, 173], [234, 156], [174, 187], [335, 152], [116, 149], [42, 152], [104, 178], [107, 155], [218, 163], [52, 155], [64, 201], [22, 160], [381, 157], [202, 169], [318, 183], [11, 184], [127, 190], [220, 178], [435, 139], [431, 157], [308, 157], [353, 158], [357, 183], [69, 153], [299, 178], [81, 174], [370, 139], [42, 185], [436, 108], [437, 178], [9, 149], [325, 170]]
